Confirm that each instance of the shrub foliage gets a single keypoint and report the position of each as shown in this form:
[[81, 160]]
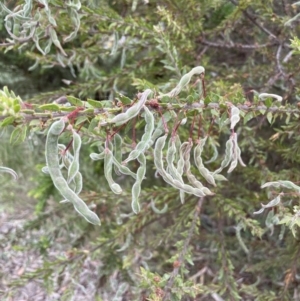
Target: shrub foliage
[[169, 138]]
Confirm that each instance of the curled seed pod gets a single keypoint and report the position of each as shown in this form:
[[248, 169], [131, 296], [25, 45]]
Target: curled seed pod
[[238, 151], [185, 80], [192, 179], [219, 177], [215, 152], [73, 170], [76, 143], [171, 152], [10, 171], [228, 155], [74, 167], [126, 244], [187, 167], [45, 170], [117, 151], [158, 161], [198, 151], [66, 159], [146, 138], [132, 111], [235, 117], [156, 210], [262, 96], [158, 152], [108, 163], [232, 166], [181, 161], [157, 133], [236, 156], [78, 183], [96, 157], [58, 180], [238, 229], [187, 156], [55, 40], [207, 175], [118, 165], [136, 188], [123, 169], [285, 184]]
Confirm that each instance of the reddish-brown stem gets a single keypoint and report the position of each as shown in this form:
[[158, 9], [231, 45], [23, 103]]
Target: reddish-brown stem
[[70, 143], [163, 121], [108, 138], [203, 85], [192, 126], [71, 116], [199, 127]]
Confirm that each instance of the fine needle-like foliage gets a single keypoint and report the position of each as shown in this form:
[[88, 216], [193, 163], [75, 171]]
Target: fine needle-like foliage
[[175, 124]]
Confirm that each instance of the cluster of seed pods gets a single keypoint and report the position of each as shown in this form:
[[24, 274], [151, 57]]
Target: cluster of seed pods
[[71, 187], [166, 151]]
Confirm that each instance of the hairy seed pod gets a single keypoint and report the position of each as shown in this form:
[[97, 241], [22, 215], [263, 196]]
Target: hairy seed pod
[[207, 175], [117, 151], [10, 171], [228, 155], [132, 111], [181, 161], [215, 152], [146, 138], [108, 164], [136, 188], [185, 80], [74, 167], [156, 210], [171, 152], [235, 117], [58, 180], [158, 161]]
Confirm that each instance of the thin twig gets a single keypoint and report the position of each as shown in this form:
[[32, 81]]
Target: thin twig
[[253, 20], [44, 117], [182, 254], [234, 45]]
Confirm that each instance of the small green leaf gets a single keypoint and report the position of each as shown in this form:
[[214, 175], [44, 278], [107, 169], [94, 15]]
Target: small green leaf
[[18, 135], [270, 117], [81, 119], [75, 101], [95, 103], [125, 100], [268, 102], [215, 112], [17, 107], [107, 104], [248, 117], [93, 124], [68, 109], [49, 107], [262, 111], [288, 117], [8, 120]]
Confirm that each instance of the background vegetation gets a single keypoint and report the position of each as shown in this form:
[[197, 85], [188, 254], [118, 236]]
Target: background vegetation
[[212, 248]]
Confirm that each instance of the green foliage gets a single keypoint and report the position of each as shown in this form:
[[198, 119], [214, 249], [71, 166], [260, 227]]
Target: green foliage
[[172, 157]]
